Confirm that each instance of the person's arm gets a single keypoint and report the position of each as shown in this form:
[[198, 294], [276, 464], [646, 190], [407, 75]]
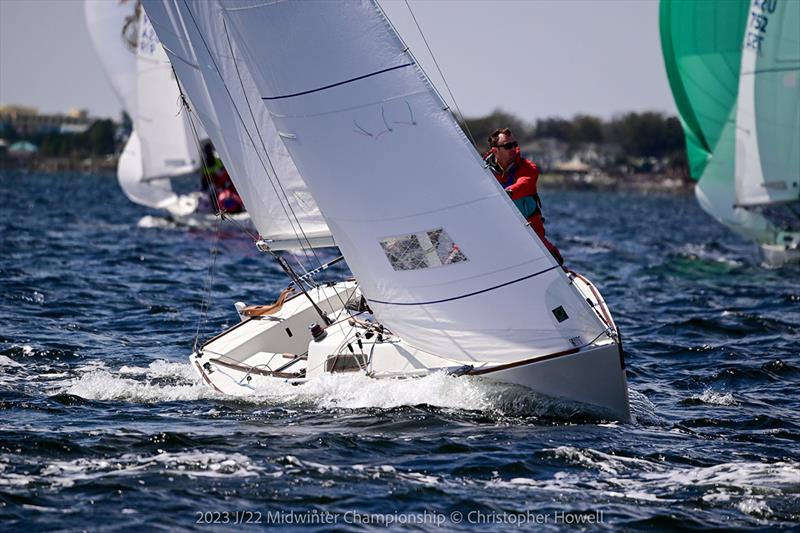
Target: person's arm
[[525, 184]]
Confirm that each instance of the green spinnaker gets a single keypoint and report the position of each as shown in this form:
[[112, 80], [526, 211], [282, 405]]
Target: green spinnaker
[[702, 45]]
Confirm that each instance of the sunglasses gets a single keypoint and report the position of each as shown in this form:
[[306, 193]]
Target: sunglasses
[[508, 146]]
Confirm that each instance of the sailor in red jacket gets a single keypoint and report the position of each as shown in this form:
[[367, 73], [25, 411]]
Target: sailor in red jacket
[[518, 177]]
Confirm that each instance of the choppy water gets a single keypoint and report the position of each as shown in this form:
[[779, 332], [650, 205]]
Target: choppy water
[[103, 424]]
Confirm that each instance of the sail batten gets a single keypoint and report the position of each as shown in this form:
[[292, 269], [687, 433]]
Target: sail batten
[[332, 85], [475, 293]]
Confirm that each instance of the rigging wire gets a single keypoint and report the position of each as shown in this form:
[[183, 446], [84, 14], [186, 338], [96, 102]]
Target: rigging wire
[[277, 179], [241, 119], [219, 211], [205, 302], [238, 113], [293, 219]]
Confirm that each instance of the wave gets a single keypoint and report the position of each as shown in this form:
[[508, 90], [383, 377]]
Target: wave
[[197, 463], [170, 381]]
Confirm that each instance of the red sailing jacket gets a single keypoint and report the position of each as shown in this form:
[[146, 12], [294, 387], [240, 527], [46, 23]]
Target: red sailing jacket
[[520, 179]]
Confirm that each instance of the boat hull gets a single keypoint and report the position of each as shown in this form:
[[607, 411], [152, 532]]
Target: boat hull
[[785, 249], [594, 377], [258, 353]]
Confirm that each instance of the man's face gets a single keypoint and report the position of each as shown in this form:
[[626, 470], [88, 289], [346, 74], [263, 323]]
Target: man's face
[[506, 150]]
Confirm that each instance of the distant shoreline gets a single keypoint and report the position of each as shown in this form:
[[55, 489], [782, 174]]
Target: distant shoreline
[[51, 165], [592, 181]]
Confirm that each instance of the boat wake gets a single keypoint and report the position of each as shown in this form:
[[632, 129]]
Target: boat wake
[[711, 255], [165, 381], [149, 221]]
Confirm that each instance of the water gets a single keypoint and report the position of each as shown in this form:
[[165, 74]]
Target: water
[[104, 425]]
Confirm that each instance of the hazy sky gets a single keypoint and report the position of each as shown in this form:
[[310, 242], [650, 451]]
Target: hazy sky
[[534, 58]]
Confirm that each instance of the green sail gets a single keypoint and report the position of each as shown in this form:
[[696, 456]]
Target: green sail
[[702, 46]]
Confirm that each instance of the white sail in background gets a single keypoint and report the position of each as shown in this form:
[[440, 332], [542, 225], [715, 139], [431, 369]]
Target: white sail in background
[[439, 250], [716, 195], [768, 113], [113, 31], [161, 145], [105, 21], [130, 171], [225, 99], [168, 146]]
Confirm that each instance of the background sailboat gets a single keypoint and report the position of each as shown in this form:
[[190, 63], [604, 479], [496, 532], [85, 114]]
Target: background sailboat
[[162, 144], [443, 258], [734, 70]]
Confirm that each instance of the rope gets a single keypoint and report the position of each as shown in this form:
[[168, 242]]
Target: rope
[[202, 318], [293, 219]]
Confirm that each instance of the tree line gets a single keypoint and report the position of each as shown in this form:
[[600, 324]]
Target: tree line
[[639, 135], [98, 140]]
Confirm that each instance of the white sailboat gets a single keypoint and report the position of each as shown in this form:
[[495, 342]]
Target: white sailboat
[[768, 126], [734, 69], [161, 146], [449, 276]]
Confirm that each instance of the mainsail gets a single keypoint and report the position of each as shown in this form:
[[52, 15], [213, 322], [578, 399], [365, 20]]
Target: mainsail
[[225, 100], [768, 114], [440, 252]]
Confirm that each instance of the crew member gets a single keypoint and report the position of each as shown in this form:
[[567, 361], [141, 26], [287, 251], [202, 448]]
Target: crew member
[[518, 176], [216, 180]]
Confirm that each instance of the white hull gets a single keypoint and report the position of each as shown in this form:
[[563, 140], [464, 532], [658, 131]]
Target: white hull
[[193, 210], [258, 351], [208, 220], [780, 254]]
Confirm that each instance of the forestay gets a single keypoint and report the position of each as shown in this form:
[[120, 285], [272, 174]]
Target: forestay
[[441, 253], [768, 114], [225, 99]]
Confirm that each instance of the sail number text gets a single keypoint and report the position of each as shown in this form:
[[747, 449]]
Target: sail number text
[[757, 26]]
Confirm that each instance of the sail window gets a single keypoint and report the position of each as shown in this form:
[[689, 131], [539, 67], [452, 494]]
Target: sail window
[[426, 249]]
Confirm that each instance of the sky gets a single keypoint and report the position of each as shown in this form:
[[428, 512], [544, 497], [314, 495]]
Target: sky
[[532, 58]]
